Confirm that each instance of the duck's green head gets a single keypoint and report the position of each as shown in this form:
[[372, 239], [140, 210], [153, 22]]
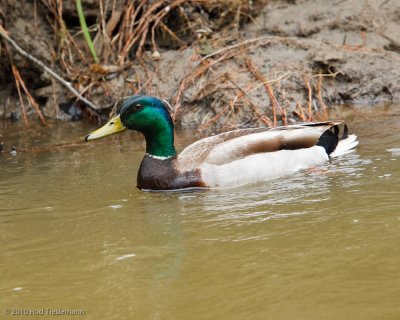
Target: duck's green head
[[148, 115]]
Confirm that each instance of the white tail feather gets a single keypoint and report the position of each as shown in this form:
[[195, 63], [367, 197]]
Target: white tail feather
[[345, 146]]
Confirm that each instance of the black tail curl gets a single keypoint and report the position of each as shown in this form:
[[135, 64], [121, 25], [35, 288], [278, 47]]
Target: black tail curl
[[345, 134], [330, 138]]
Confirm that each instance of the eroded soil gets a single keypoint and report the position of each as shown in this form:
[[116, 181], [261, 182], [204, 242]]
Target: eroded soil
[[304, 55]]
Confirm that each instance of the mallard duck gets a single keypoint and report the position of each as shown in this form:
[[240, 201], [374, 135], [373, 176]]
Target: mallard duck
[[227, 159]]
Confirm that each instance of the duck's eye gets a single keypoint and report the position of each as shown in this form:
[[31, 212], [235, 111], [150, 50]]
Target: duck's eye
[[138, 107]]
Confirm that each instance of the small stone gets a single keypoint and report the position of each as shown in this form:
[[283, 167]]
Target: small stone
[[156, 55]]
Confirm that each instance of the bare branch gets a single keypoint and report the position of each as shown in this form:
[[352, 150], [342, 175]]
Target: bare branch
[[65, 83]]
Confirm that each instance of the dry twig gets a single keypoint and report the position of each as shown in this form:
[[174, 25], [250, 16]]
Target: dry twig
[[309, 97], [66, 84], [274, 102], [194, 74], [320, 99], [32, 101], [21, 101]]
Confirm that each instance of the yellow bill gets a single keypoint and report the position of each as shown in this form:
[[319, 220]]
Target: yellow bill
[[113, 126]]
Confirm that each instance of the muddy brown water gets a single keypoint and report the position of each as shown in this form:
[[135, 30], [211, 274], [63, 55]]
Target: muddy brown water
[[77, 236]]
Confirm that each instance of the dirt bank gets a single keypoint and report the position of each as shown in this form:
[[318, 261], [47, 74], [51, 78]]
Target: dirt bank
[[291, 62], [319, 52]]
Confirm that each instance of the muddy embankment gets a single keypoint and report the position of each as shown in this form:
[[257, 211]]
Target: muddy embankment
[[288, 62]]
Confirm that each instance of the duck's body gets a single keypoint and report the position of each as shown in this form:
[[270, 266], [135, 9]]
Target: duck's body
[[225, 160]]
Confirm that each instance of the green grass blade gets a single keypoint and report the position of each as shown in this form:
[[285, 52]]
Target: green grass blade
[[85, 30]]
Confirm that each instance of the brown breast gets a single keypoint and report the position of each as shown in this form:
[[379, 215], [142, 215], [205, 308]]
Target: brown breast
[[158, 174]]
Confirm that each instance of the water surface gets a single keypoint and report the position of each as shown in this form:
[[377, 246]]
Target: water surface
[[75, 233]]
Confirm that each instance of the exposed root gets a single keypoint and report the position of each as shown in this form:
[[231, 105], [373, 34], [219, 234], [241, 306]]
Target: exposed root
[[262, 117], [299, 112], [193, 75], [320, 99], [274, 102], [217, 116], [21, 101], [245, 93], [31, 100], [309, 89]]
